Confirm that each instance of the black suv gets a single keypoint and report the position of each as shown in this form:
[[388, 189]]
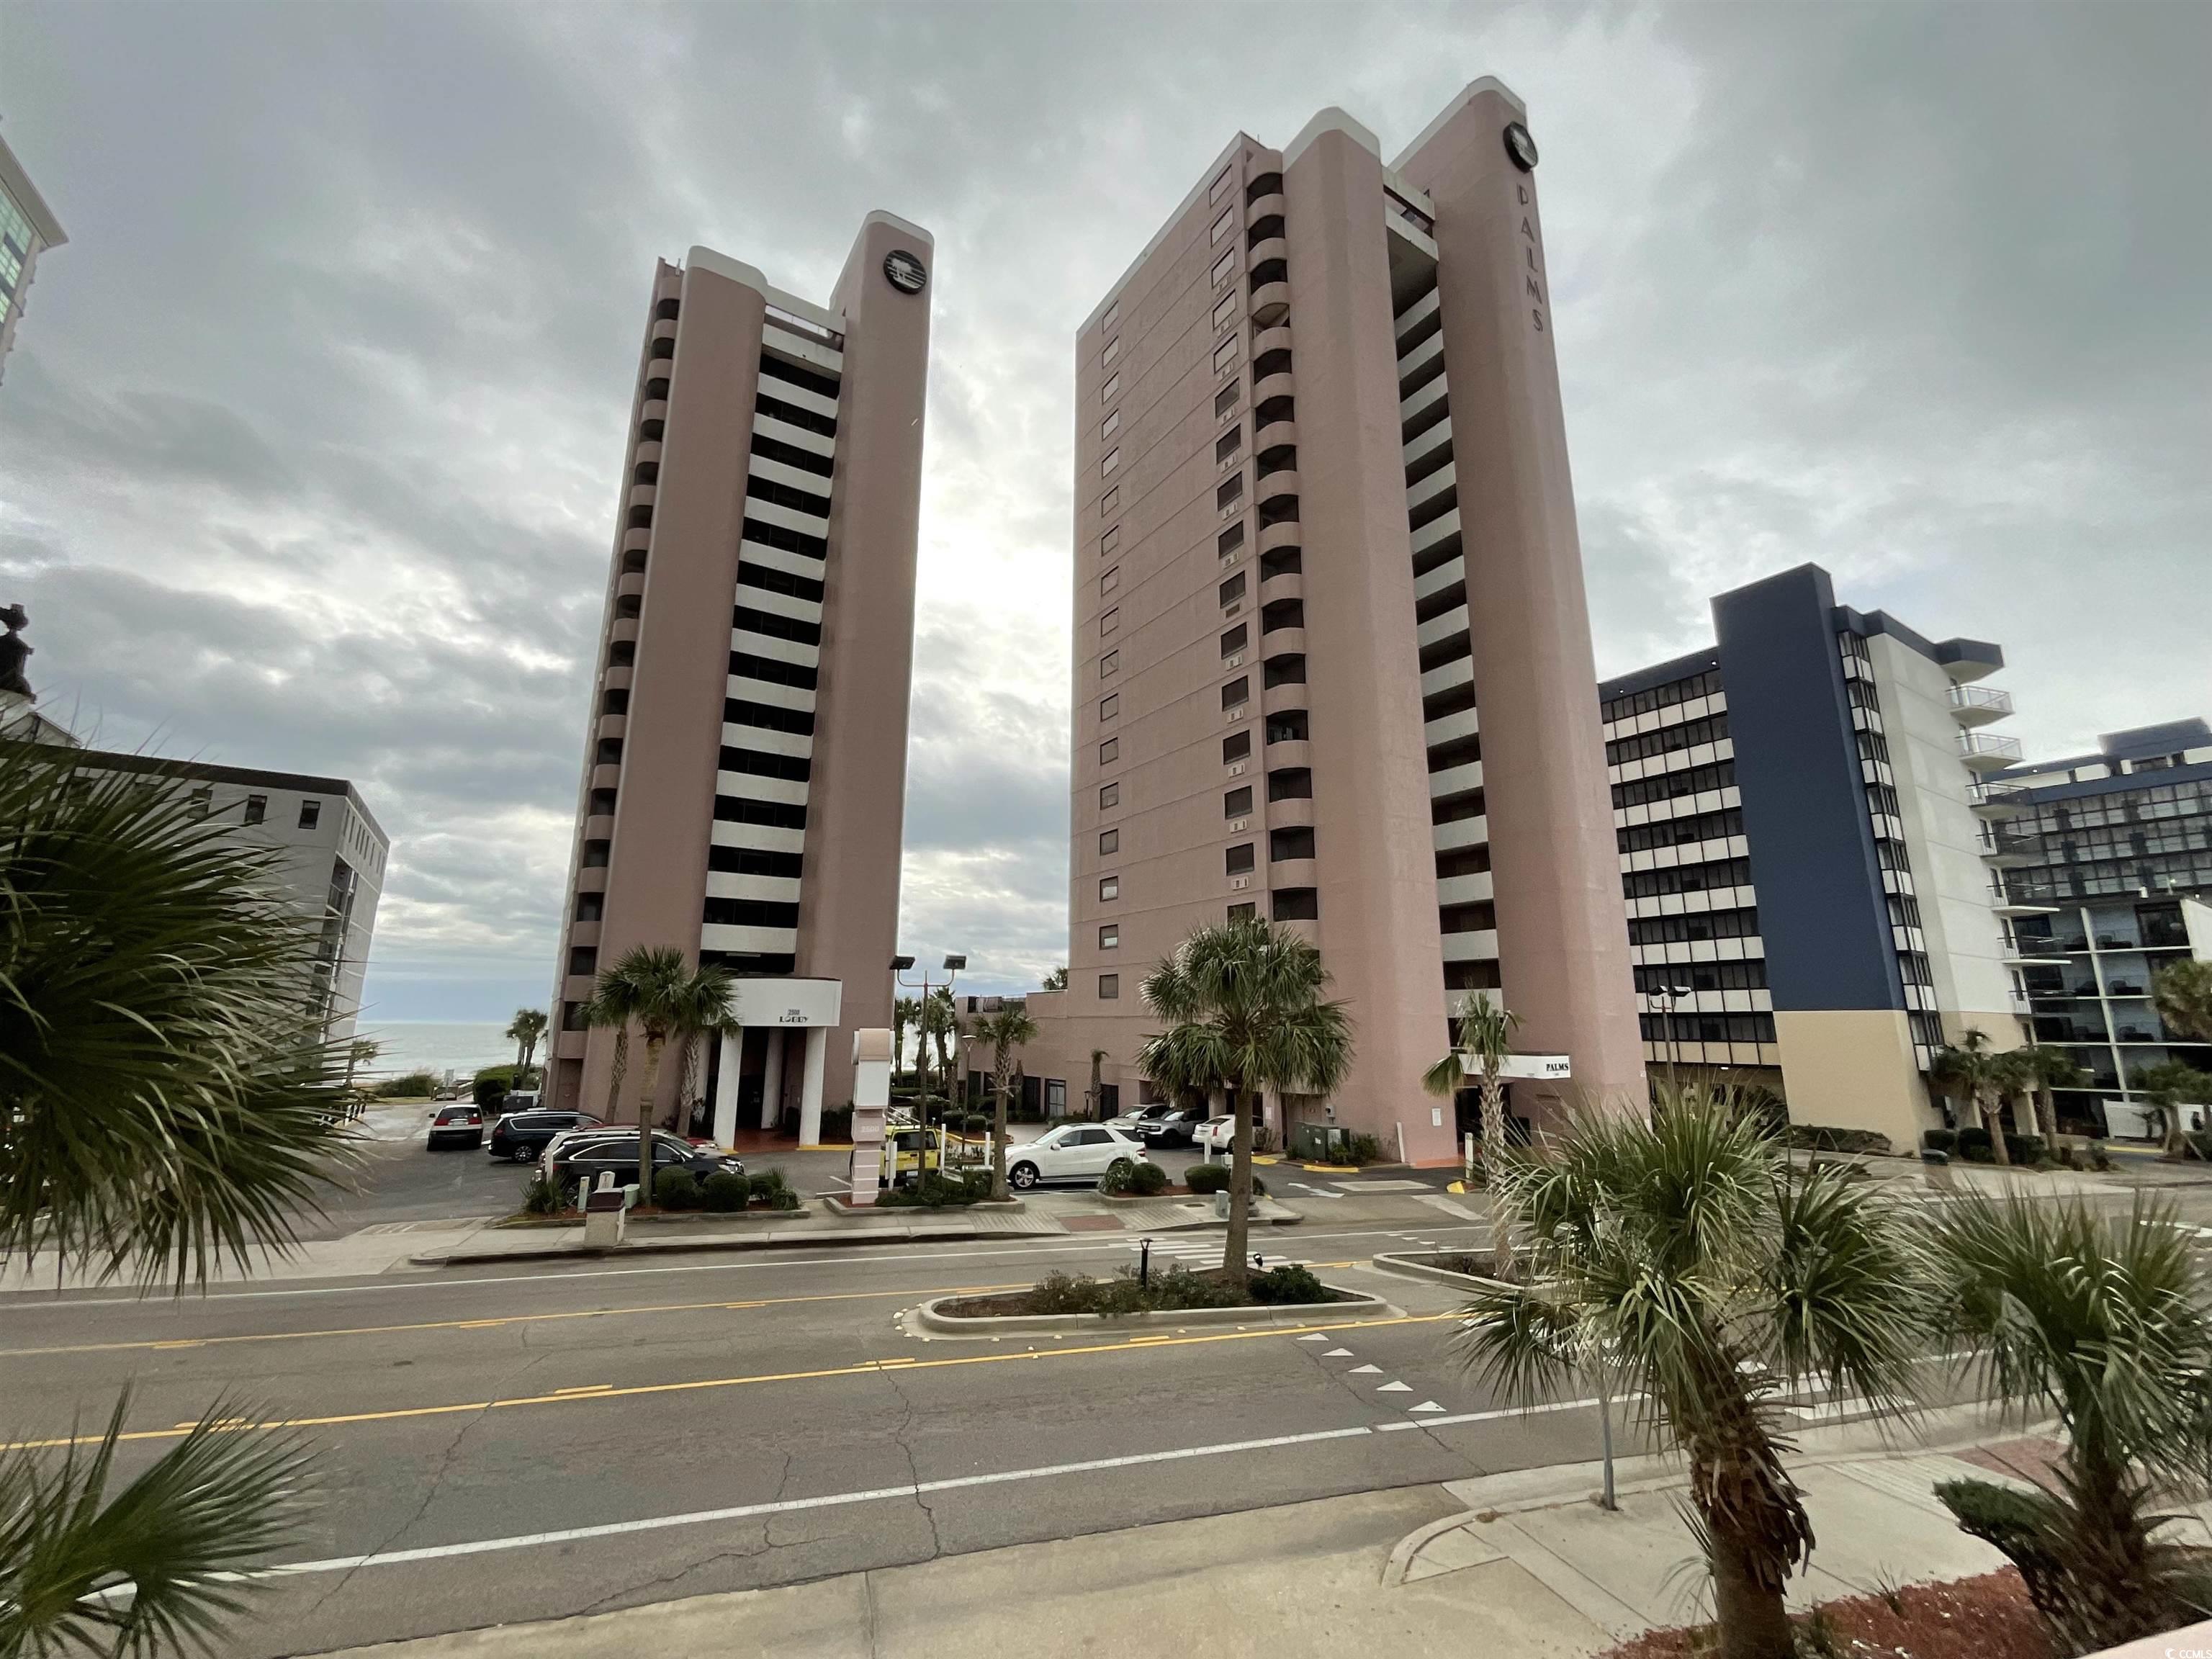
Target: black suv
[[522, 1135], [583, 1158]]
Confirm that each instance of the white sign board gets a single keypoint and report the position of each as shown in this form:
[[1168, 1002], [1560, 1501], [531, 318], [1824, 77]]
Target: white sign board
[[787, 1001], [1548, 1068]]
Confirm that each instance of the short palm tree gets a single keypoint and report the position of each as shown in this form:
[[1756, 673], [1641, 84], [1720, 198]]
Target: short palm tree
[[935, 1027], [1005, 1032], [1982, 1076], [1482, 1032], [657, 989], [523, 1031], [2046, 1069], [1243, 1006], [2183, 995], [164, 1107], [1707, 1275], [2103, 1322], [906, 1013]]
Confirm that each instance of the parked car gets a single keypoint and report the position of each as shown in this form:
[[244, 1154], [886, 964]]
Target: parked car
[[455, 1126], [521, 1136], [579, 1156], [1135, 1119], [1073, 1151], [1177, 1128], [1216, 1135]]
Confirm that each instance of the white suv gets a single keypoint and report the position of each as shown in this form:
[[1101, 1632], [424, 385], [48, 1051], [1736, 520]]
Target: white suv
[[1073, 1151]]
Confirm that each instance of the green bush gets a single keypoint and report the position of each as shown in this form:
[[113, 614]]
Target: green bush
[[1289, 1283], [1940, 1140], [2026, 1149], [765, 1183], [416, 1085], [2098, 1156], [489, 1092], [1974, 1144], [542, 1195], [786, 1200], [726, 1191], [975, 1124], [1819, 1138], [1133, 1179], [1362, 1149], [937, 1190], [676, 1189], [1170, 1289], [531, 1077], [1203, 1178]]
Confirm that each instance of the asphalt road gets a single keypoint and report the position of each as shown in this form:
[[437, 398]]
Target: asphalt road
[[459, 1413]]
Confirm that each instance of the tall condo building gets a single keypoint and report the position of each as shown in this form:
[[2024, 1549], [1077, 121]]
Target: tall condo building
[[28, 228], [1332, 660], [744, 763], [1800, 819]]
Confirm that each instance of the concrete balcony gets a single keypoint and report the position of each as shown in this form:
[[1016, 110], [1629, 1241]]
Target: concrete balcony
[[1270, 339], [623, 631], [1459, 833], [643, 495], [1456, 780], [1447, 625], [1423, 364], [612, 725], [637, 541], [1290, 584], [654, 415], [664, 329], [593, 879], [1451, 727], [1478, 946], [606, 777], [1270, 302], [616, 679], [583, 932], [1995, 801], [2001, 905], [1283, 482], [1978, 705], [1286, 534], [599, 826], [1289, 753], [1451, 573], [1282, 642], [1288, 814], [1269, 206], [569, 1045], [578, 987], [1448, 675], [1273, 435], [1438, 539], [2006, 851], [1985, 751], [1426, 403], [1291, 873], [1418, 313], [630, 584], [1464, 889], [1278, 699], [1273, 248], [648, 451], [1273, 385]]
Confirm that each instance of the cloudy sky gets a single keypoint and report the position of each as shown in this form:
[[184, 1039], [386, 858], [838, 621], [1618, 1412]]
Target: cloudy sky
[[309, 447]]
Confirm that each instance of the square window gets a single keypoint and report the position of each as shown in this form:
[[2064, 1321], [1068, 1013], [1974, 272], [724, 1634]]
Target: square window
[[1228, 444], [1224, 354], [1113, 316], [1113, 390], [1111, 464], [1109, 751], [1113, 424], [1111, 581], [1224, 267], [1237, 691], [1225, 308], [1109, 888], [1236, 802], [1215, 192], [1241, 912], [1109, 840], [1229, 539], [1111, 621], [1109, 796], [1229, 492], [1224, 225], [1225, 400], [1233, 640], [1110, 502], [1239, 860], [311, 814], [1112, 351], [1109, 664], [1235, 747], [1109, 707], [1233, 589], [1109, 987], [1110, 937]]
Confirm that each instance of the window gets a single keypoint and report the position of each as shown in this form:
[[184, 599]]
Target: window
[[1223, 267], [1109, 707], [1113, 316], [1111, 464], [1109, 840], [1109, 795], [1220, 187], [1111, 581], [1223, 226], [1235, 747], [1112, 351], [1109, 664], [1109, 888], [1112, 538], [1109, 502], [1239, 860], [1229, 494], [1111, 621], [1225, 308], [1290, 783], [1234, 639], [1296, 904], [1296, 842], [202, 799], [1229, 539], [311, 814], [1241, 912], [1110, 937], [1236, 802], [1112, 425], [1109, 987], [1228, 444], [1109, 751], [1233, 589], [1224, 354], [1112, 390], [1237, 691], [1225, 400]]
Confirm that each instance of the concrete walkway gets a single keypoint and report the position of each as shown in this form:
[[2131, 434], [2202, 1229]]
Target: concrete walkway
[[1522, 1564]]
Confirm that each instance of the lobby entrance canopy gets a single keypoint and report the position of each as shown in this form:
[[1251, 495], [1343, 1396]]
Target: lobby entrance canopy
[[789, 1014]]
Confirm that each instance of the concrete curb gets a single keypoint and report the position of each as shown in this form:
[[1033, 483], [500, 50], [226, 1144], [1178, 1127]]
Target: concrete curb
[[1024, 1324], [1392, 1262], [633, 1246]]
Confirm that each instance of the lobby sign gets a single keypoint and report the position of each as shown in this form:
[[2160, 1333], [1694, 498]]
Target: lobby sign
[[796, 1002]]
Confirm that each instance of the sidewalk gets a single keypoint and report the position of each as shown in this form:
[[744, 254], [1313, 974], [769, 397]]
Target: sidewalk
[[1520, 1563]]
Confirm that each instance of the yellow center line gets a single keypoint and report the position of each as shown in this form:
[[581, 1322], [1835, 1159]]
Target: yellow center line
[[865, 1368]]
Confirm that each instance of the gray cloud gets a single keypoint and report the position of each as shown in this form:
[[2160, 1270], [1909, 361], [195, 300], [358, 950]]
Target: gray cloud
[[307, 453]]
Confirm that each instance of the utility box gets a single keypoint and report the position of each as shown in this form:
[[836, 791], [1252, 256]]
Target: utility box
[[605, 1209], [1323, 1143]]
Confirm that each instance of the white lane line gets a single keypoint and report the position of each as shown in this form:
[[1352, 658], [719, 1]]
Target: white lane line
[[785, 1506], [1486, 1417]]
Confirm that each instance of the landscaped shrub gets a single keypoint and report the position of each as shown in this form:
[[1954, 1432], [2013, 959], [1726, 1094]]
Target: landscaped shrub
[[1133, 1179], [934, 1190], [765, 1183], [1940, 1140], [2098, 1156], [1203, 1178], [488, 1093], [1974, 1144], [1821, 1138], [1362, 1149], [541, 1195], [1169, 1289], [1288, 1283], [416, 1085], [676, 1189], [2028, 1151], [725, 1192], [975, 1124]]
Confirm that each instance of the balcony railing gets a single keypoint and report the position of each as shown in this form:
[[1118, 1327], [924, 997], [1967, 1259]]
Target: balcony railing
[[1985, 751], [1978, 705]]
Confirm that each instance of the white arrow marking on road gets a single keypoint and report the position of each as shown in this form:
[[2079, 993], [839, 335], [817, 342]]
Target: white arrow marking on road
[[1313, 1336], [1394, 1388], [1425, 1406], [1338, 1353], [1364, 1370]]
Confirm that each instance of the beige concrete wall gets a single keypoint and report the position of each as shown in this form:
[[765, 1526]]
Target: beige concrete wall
[[1562, 923], [1853, 1069]]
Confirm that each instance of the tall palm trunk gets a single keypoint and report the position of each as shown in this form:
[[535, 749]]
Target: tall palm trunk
[[1492, 1093], [2047, 1114], [1757, 1529], [653, 1045], [1993, 1121], [1235, 1258], [1002, 1085]]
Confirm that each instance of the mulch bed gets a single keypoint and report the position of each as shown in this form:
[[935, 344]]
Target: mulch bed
[[1017, 1302], [1985, 1618]]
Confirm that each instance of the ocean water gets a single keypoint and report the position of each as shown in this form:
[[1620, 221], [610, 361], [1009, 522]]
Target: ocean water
[[439, 1046]]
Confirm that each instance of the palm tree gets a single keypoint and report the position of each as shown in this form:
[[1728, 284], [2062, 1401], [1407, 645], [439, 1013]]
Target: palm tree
[[165, 1106], [524, 1030], [658, 988], [905, 1012], [1688, 1259], [2103, 1322], [1484, 1034], [937, 1023], [2183, 994], [1243, 1004], [1005, 1032], [2048, 1068], [1973, 1070], [1097, 1094], [1057, 980]]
